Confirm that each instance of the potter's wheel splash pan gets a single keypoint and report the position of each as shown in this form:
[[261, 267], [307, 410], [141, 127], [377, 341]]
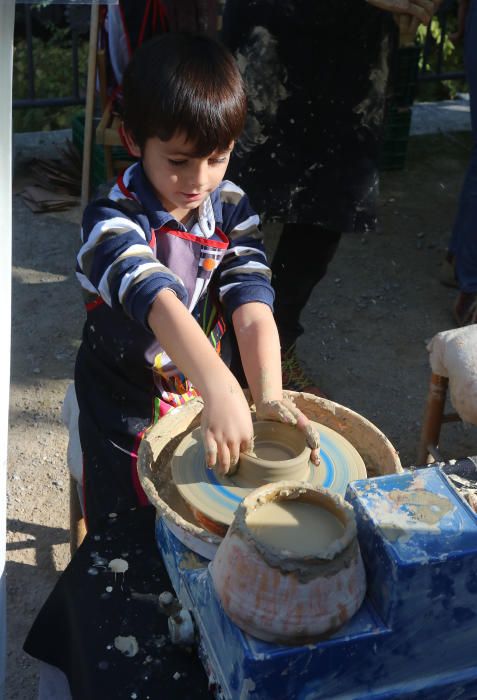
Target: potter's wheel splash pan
[[159, 442]]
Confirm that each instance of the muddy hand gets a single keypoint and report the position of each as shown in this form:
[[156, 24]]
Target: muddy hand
[[285, 411], [226, 433]]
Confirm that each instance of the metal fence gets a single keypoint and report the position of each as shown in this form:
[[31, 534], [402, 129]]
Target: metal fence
[[78, 20], [440, 71]]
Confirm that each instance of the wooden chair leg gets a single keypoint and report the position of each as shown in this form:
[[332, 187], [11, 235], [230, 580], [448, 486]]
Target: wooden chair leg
[[108, 161], [89, 107], [433, 416], [77, 523]]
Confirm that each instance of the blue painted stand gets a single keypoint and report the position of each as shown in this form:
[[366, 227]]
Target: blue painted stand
[[415, 635]]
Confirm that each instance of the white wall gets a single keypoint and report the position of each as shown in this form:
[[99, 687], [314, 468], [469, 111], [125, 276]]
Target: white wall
[[7, 11]]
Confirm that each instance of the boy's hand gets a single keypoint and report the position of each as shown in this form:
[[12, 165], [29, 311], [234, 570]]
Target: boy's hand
[[285, 411], [227, 427], [226, 419]]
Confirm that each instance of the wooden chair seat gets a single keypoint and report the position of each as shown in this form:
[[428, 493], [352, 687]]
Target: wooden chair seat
[[453, 359]]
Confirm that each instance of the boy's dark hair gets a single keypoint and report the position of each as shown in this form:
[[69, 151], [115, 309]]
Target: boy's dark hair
[[184, 83]]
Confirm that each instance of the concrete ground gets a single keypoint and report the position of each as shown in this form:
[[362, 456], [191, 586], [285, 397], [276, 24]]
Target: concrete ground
[[441, 117], [367, 325]]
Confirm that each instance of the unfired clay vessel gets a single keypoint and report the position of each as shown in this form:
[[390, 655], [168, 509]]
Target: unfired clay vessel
[[285, 596], [279, 452]]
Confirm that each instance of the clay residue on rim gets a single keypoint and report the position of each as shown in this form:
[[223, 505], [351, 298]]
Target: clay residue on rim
[[327, 562]]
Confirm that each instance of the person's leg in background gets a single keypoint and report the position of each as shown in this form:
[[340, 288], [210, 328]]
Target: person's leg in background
[[301, 260], [464, 236]]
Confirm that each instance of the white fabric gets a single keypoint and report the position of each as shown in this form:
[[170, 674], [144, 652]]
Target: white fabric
[[70, 415], [53, 684], [453, 354], [117, 42], [206, 219], [202, 220]]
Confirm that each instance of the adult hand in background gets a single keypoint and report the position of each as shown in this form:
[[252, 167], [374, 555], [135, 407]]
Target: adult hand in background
[[421, 10], [408, 25], [461, 17]]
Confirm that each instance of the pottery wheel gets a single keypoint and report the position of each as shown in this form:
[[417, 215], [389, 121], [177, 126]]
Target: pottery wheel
[[216, 497]]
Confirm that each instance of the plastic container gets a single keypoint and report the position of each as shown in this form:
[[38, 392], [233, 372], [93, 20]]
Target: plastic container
[[98, 164]]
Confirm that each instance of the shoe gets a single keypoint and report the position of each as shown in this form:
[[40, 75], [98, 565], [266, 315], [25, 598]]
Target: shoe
[[465, 308], [294, 377], [447, 274]]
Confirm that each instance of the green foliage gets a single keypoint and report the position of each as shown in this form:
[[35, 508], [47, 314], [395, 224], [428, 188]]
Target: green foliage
[[436, 33], [453, 61], [53, 78]]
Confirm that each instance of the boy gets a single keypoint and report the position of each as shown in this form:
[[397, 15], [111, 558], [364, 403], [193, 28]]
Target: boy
[[174, 274]]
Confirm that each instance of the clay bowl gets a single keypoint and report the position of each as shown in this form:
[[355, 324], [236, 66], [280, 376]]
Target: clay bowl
[[280, 452], [274, 581]]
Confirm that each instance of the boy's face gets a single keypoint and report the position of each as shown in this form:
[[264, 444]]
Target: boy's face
[[181, 180]]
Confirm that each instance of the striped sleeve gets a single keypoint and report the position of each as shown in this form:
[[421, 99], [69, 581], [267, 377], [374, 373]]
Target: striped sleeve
[[244, 272], [116, 261]]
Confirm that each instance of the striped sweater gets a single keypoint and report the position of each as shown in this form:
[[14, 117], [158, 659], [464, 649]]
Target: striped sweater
[[132, 248]]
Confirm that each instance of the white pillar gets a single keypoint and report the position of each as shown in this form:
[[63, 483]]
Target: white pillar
[[7, 16]]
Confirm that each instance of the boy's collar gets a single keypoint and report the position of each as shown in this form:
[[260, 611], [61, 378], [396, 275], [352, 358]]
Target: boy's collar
[[138, 183]]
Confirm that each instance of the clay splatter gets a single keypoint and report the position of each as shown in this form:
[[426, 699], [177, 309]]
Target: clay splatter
[[424, 506], [118, 566], [127, 645]]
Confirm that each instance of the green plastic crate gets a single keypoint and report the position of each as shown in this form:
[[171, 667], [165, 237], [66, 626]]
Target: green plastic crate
[[98, 165]]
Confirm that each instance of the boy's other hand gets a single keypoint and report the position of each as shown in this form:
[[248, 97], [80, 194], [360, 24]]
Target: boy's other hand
[[285, 411], [227, 427]]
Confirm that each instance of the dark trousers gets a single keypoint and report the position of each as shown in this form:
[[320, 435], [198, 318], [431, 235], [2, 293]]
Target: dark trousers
[[300, 262], [463, 243]]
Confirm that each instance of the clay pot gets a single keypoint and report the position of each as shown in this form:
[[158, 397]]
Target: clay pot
[[280, 452], [285, 596]]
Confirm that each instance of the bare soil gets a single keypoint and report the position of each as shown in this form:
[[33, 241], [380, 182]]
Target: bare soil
[[366, 324]]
